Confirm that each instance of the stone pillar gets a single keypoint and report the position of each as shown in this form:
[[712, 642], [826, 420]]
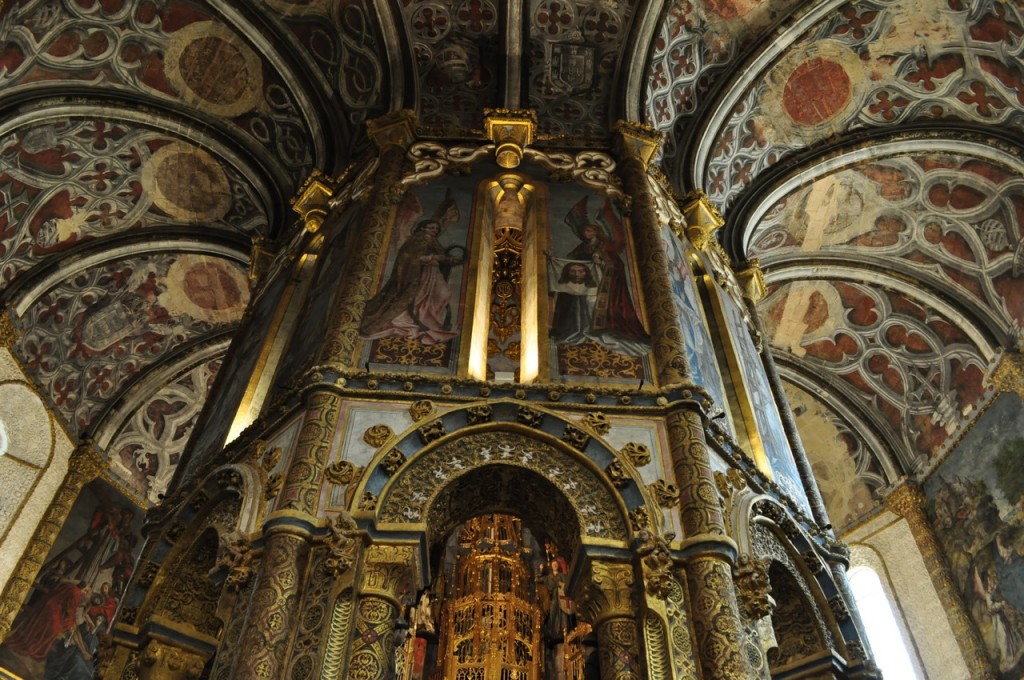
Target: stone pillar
[[608, 602], [636, 145], [84, 465], [274, 607], [392, 134], [709, 553], [385, 569], [907, 500]]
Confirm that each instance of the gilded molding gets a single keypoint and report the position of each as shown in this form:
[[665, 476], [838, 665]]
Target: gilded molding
[[84, 465], [908, 501]]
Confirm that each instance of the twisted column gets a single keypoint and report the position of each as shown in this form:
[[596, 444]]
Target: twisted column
[[392, 134], [907, 500], [385, 569], [84, 465], [274, 607], [636, 145], [608, 603], [709, 553]]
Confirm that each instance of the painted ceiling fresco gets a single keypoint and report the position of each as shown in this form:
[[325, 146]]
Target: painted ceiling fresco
[[869, 153]]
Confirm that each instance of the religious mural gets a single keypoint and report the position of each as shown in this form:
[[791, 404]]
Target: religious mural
[[974, 501], [746, 360], [595, 328], [76, 593], [414, 319]]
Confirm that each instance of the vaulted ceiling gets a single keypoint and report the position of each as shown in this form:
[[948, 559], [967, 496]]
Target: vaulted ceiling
[[868, 153]]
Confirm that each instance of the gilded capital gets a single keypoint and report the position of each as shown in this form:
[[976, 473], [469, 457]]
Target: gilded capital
[[637, 141], [609, 593], [393, 129], [906, 500], [312, 201], [702, 219], [751, 280], [162, 661], [386, 569], [511, 130], [86, 462], [1008, 375]]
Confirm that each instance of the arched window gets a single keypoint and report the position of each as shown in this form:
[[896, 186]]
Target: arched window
[[887, 644]]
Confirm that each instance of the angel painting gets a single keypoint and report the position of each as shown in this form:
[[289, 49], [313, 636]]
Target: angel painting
[[591, 286], [415, 301]]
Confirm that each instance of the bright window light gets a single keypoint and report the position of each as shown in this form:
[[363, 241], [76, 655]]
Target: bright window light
[[884, 635]]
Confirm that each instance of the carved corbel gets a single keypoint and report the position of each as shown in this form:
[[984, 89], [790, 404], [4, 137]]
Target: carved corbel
[[161, 660], [702, 219], [511, 130], [751, 281], [313, 201], [386, 568]]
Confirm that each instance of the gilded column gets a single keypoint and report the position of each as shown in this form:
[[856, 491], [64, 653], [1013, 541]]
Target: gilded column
[[273, 609], [636, 146], [385, 569], [609, 604], [392, 134], [709, 552], [84, 465], [907, 500]]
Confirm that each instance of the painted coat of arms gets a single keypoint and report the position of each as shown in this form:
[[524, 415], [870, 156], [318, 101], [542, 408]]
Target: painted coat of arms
[[571, 67]]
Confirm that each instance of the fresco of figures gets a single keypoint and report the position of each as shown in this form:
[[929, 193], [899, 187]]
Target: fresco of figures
[[982, 479], [76, 593], [595, 326]]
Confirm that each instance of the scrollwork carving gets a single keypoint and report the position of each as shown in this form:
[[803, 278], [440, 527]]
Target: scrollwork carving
[[597, 422], [422, 409], [617, 474], [478, 415], [665, 495], [754, 587], [575, 437], [433, 431], [162, 661], [377, 435], [368, 502], [637, 454], [392, 462], [340, 472], [342, 544], [529, 417]]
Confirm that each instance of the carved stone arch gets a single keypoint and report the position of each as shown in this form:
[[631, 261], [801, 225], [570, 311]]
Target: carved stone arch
[[600, 485]]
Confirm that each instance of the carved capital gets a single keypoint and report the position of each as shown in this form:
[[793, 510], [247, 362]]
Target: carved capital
[[609, 593], [160, 660], [1008, 376], [637, 141], [393, 129], [313, 201], [511, 130], [906, 500], [702, 219], [386, 569], [751, 280]]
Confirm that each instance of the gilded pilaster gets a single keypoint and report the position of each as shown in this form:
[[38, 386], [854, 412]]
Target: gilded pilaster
[[636, 145], [392, 134], [908, 500], [714, 612], [84, 465], [608, 601], [385, 569]]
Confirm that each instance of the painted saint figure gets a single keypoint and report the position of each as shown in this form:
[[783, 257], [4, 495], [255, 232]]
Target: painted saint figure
[[592, 297], [414, 302]]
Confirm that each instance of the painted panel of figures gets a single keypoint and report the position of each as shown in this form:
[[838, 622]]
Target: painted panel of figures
[[763, 408], [75, 595], [596, 327], [415, 316], [700, 353], [974, 501]]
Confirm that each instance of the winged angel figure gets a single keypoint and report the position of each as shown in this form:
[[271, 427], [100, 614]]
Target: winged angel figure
[[414, 302]]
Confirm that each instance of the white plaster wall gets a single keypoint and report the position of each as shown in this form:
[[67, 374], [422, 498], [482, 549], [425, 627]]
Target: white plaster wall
[[886, 545]]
